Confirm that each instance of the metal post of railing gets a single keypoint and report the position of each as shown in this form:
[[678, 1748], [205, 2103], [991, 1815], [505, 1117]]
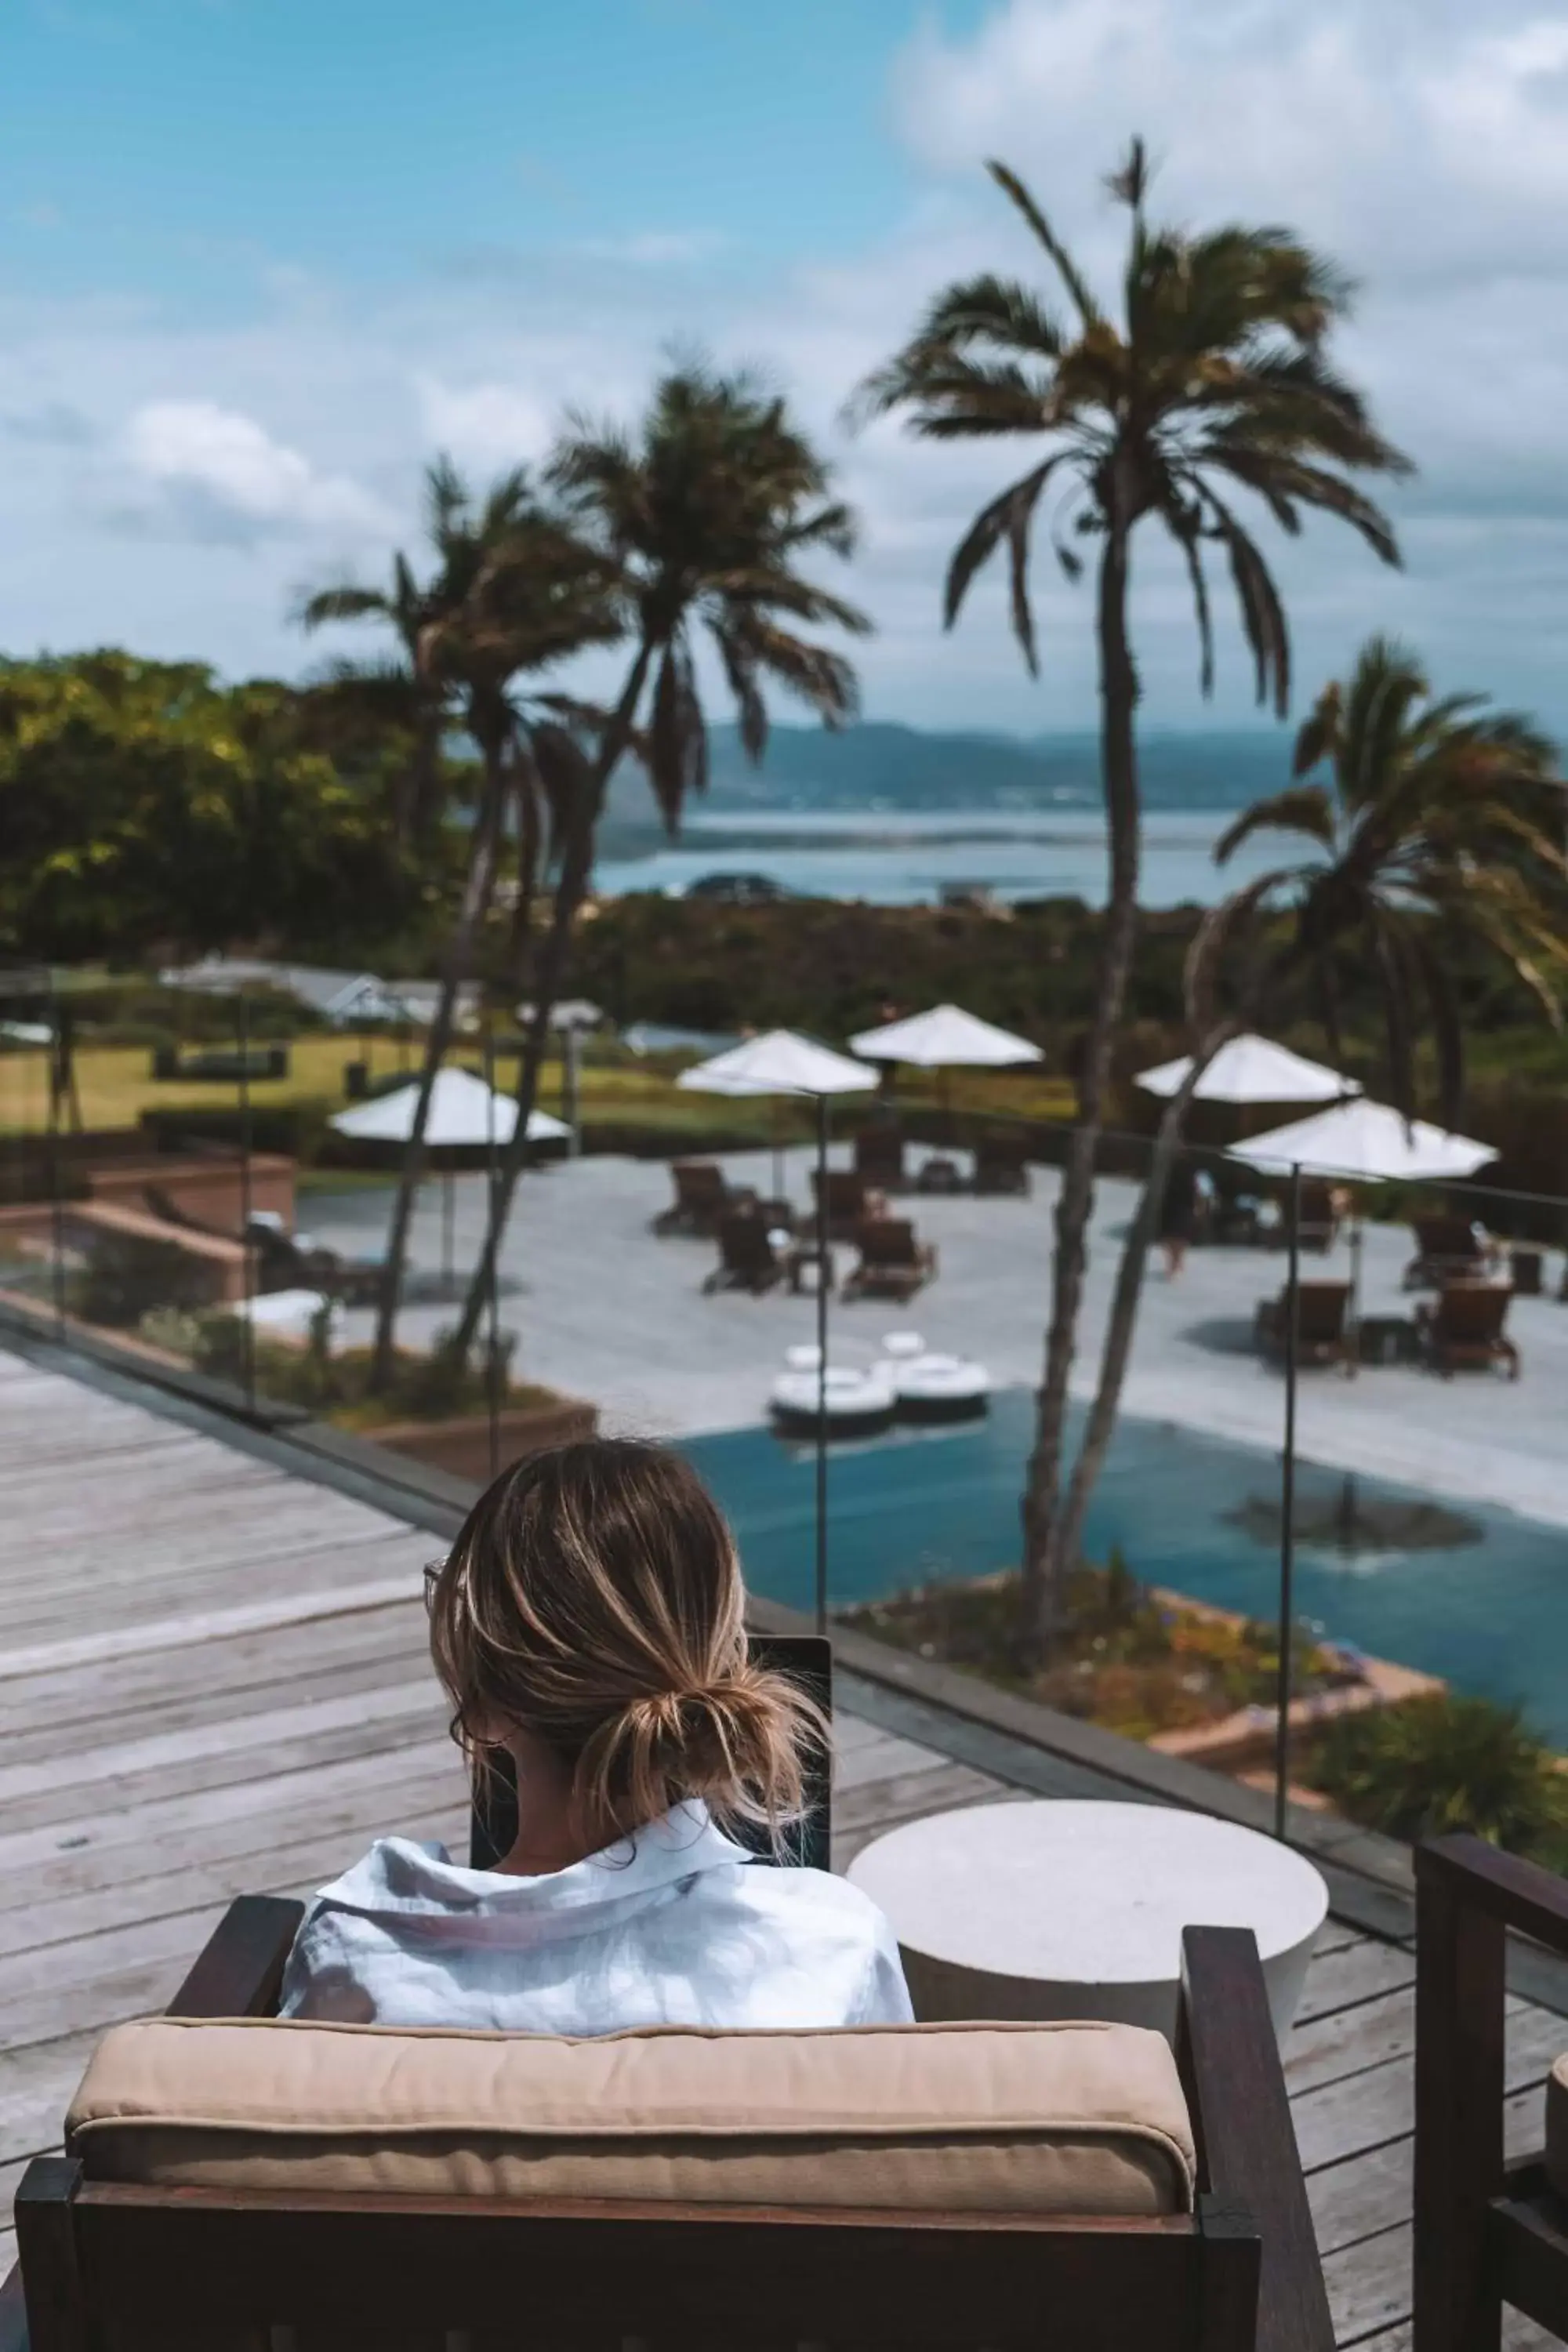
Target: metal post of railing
[[492, 1302], [822, 1281], [57, 1187], [1287, 1510], [247, 1319]]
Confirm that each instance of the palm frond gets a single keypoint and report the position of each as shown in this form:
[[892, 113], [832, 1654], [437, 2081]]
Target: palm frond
[[1302, 808], [1263, 615], [1318, 735], [1010, 517], [1215, 938], [344, 602], [1067, 269]]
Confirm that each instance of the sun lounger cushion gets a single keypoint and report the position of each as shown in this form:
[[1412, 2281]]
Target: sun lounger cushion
[[1069, 2118], [1557, 2126]]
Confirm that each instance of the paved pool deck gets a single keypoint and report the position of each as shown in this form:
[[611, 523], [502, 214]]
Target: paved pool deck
[[606, 1309]]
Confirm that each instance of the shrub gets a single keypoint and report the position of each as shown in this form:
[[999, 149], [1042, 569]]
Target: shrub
[[1445, 1762]]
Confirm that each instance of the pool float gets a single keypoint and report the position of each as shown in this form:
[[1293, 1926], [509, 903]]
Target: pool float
[[936, 1387], [850, 1401]]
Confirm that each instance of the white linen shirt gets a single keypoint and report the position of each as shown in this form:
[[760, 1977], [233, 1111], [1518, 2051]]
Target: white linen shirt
[[677, 1926]]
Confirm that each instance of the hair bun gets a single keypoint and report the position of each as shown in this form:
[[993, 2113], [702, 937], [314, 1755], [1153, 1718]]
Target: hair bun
[[737, 1741]]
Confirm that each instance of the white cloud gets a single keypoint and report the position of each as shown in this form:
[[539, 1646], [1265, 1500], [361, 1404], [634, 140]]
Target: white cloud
[[488, 424], [1425, 142], [217, 473], [655, 248]]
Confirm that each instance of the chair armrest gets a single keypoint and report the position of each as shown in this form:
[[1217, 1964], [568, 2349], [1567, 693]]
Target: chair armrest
[[239, 1970], [1230, 2066], [1520, 1893]]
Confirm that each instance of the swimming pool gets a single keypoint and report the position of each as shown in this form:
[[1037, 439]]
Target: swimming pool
[[1489, 1613]]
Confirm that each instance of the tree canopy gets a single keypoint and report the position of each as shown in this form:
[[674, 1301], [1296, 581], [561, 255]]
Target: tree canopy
[[147, 808]]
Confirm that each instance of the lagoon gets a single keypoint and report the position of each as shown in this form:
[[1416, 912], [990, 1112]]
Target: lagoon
[[898, 857]]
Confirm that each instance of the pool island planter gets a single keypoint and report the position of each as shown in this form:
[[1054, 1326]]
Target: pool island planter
[[1239, 1742], [461, 1446]]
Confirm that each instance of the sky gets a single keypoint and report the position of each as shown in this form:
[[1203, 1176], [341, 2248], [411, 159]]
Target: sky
[[260, 259]]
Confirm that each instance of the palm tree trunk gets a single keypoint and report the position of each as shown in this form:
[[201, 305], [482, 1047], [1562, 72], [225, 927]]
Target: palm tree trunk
[[455, 964], [571, 889], [1045, 1558], [1120, 1328]]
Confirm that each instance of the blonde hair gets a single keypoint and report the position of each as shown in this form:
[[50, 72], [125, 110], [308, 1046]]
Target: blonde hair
[[593, 1599]]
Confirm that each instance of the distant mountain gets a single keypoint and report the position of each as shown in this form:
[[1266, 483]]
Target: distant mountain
[[885, 766]]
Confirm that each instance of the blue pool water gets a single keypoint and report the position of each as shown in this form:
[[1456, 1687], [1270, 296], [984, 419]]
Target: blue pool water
[[1490, 1615]]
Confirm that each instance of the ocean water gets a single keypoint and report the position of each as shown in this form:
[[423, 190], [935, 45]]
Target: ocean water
[[906, 858]]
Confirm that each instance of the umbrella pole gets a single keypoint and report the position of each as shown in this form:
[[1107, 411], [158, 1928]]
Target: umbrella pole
[[822, 1363], [1288, 1511], [778, 1148], [492, 1366]]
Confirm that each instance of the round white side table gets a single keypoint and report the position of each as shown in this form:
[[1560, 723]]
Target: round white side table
[[1065, 1909]]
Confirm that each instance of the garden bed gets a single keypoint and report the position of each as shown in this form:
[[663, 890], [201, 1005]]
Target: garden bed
[[1191, 1680]]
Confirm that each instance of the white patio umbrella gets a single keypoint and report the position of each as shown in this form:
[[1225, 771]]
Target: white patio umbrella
[[778, 1063], [1365, 1142], [946, 1038], [1251, 1070], [465, 1115], [781, 1063]]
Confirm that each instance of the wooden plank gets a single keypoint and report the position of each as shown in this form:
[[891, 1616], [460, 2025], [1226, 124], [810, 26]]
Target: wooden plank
[[42, 1736], [222, 1662], [909, 1796], [299, 1865], [35, 2087], [213, 1742], [1371, 2192], [343, 1805], [1370, 2109], [411, 1716], [1349, 2041], [1353, 1972], [171, 1820], [192, 1629], [883, 1758], [1369, 2284]]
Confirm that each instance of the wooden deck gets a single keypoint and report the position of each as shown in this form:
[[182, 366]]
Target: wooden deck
[[212, 1681]]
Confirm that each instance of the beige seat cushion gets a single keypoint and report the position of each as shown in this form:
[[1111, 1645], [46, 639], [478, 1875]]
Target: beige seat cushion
[[1557, 2126], [992, 2118]]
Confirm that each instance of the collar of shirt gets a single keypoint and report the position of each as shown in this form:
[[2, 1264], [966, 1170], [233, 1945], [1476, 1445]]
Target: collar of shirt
[[398, 1876]]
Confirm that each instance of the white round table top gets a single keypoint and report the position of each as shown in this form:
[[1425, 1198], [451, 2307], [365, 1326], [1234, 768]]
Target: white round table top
[[1080, 1892]]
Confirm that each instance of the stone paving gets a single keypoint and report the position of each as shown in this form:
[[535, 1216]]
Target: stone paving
[[604, 1307]]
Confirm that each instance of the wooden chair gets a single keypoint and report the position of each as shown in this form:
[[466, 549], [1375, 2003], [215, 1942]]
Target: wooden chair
[[1001, 1164], [850, 1200], [1448, 1249], [702, 1196], [880, 1158], [893, 1263], [1463, 1326], [183, 2218], [1322, 1310], [748, 1259], [1487, 2233]]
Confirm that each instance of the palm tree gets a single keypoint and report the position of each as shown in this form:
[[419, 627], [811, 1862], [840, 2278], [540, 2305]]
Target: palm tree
[[1211, 378], [513, 588], [705, 518], [1441, 827], [1441, 832]]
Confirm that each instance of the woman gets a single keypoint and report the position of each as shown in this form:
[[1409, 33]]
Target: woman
[[589, 1624]]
